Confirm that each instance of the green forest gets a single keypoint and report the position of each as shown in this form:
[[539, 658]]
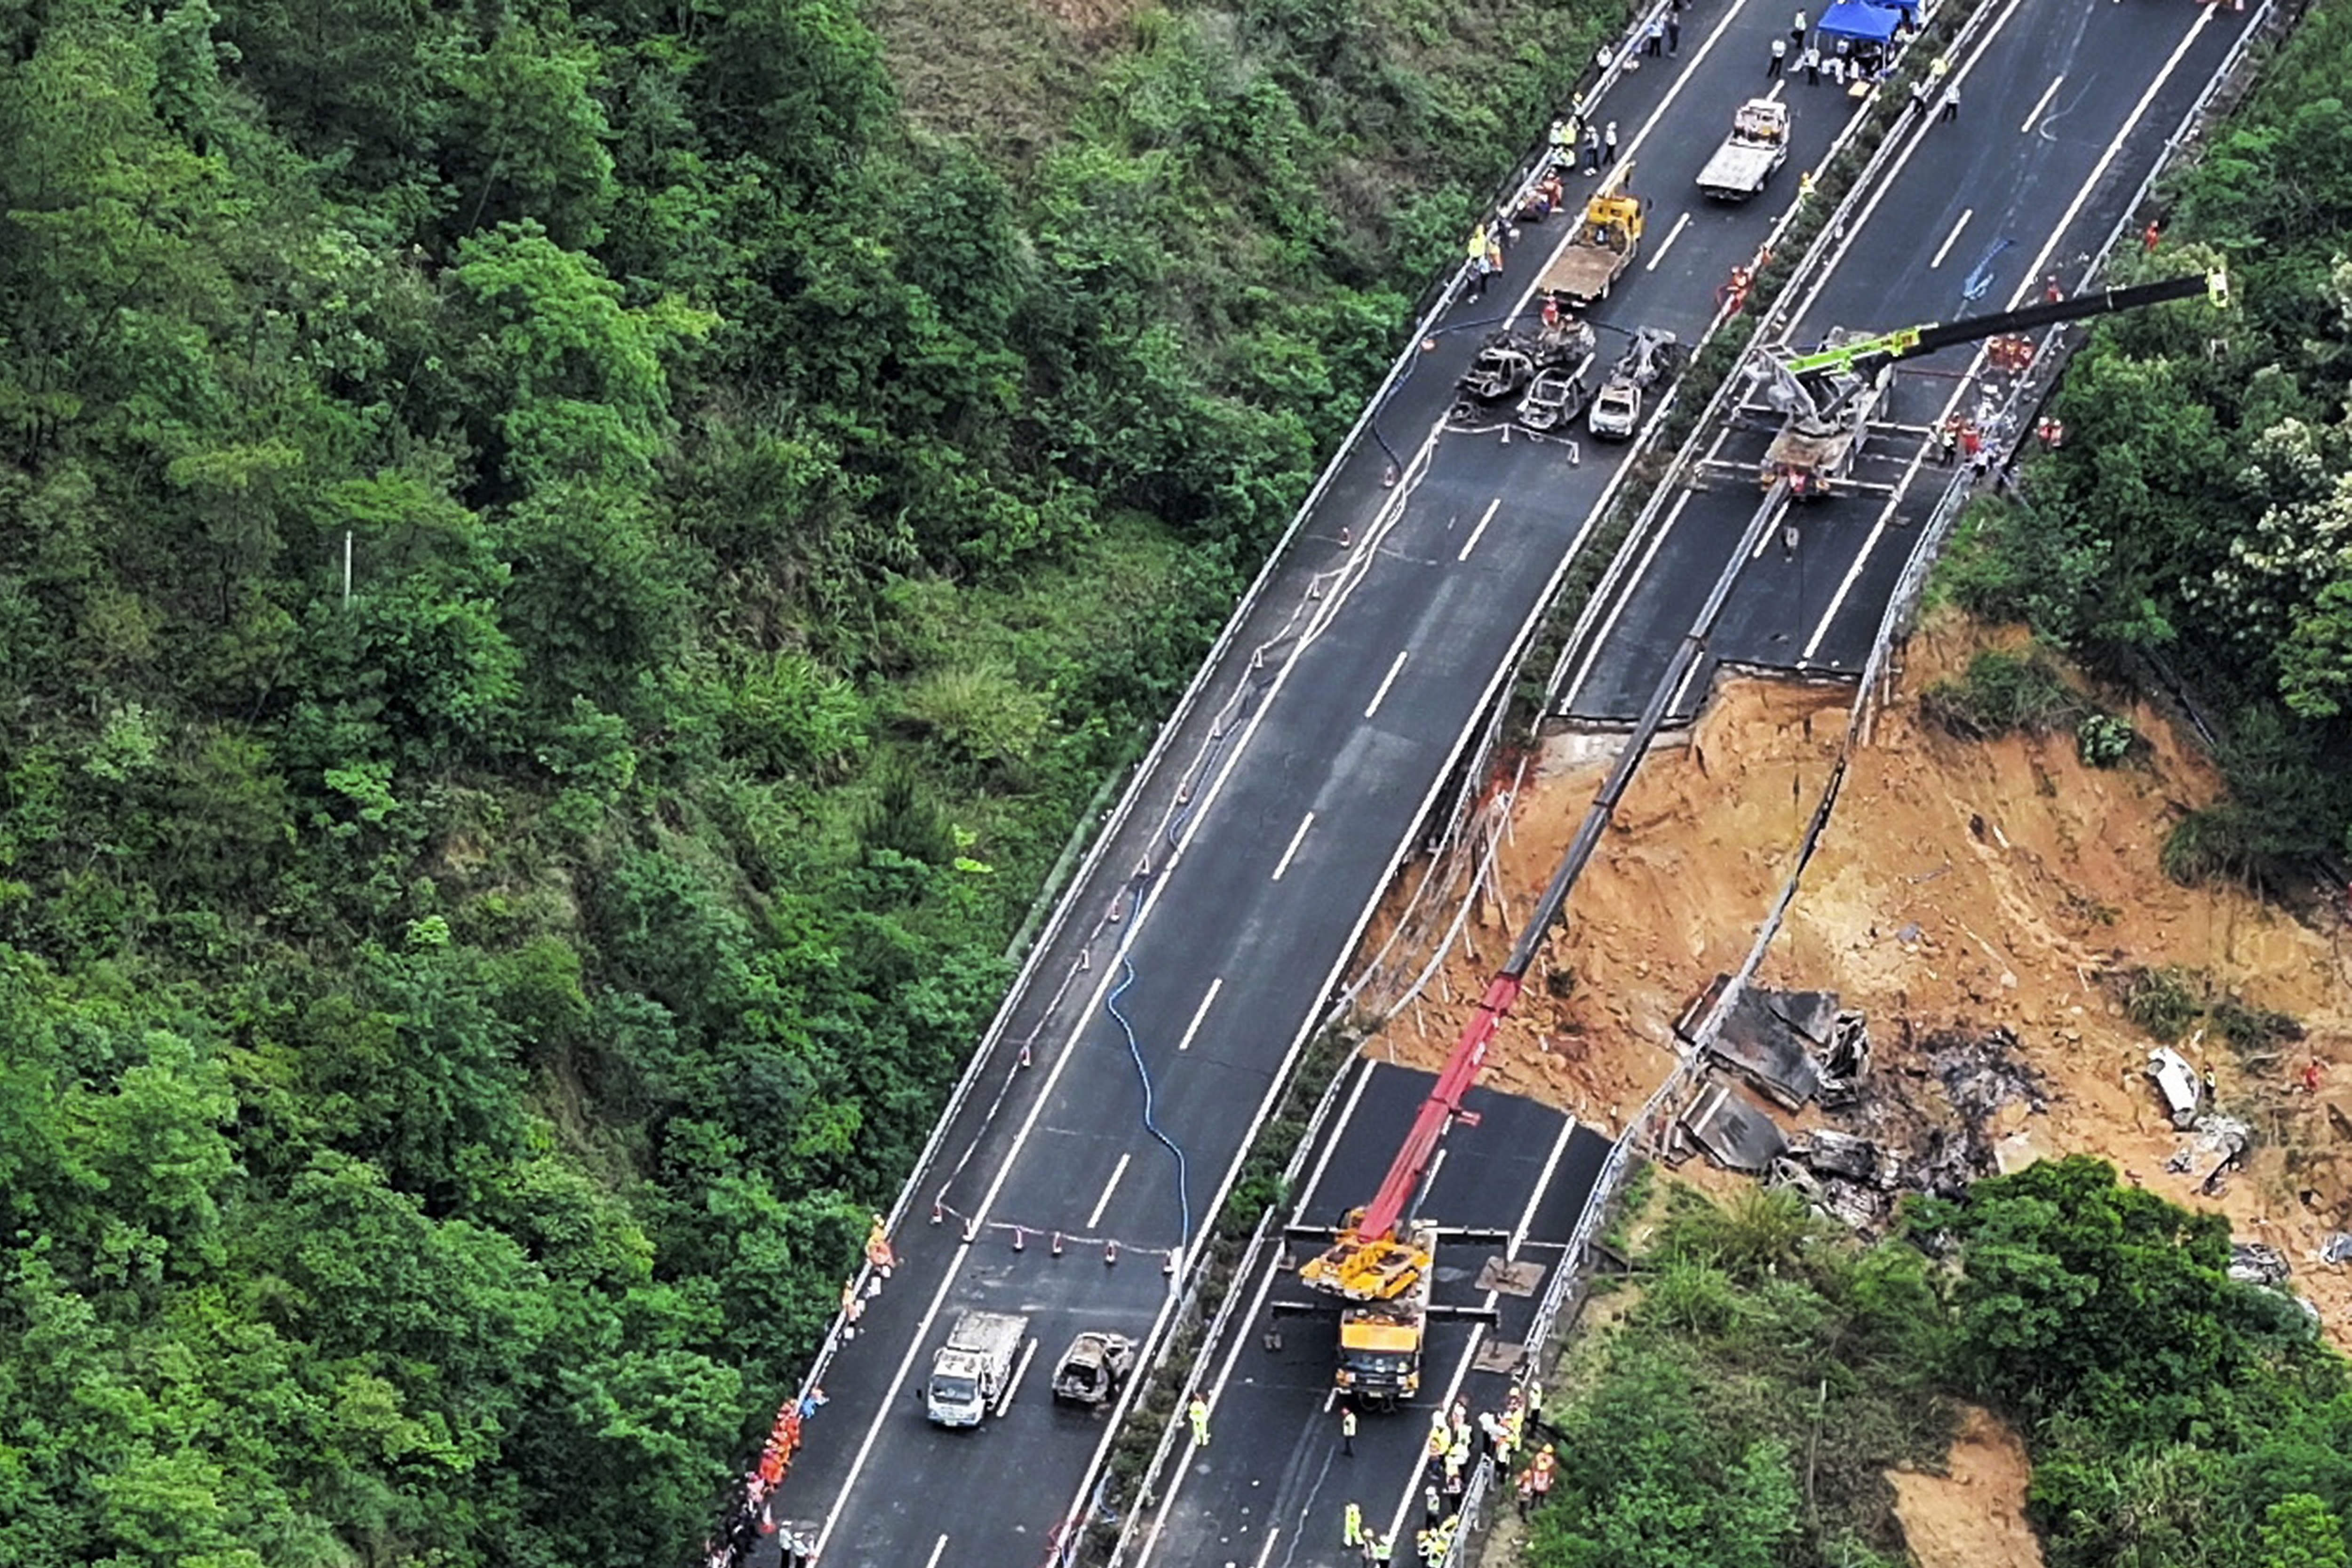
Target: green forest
[[1745, 1409], [569, 567], [2195, 530]]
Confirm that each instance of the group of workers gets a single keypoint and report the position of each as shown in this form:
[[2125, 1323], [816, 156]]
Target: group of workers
[[1598, 138], [1843, 59], [1455, 1444]]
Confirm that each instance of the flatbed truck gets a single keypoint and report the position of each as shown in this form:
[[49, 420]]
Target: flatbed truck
[[1759, 143], [974, 1369], [1607, 239]]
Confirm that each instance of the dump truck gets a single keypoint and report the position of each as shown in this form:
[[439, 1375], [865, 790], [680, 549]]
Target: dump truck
[[1093, 1366], [1648, 360], [1607, 239], [1759, 143], [974, 1369], [1381, 1339]]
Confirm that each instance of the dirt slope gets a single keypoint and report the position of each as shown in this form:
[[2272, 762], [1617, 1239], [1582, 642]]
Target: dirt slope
[[1960, 885], [1973, 1515]]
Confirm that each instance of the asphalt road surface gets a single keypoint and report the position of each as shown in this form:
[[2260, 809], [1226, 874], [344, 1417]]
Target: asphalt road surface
[[1244, 867], [2064, 112], [1272, 1487]]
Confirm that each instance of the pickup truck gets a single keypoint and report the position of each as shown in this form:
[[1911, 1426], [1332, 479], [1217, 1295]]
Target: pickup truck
[[1607, 239], [1759, 143], [975, 1368]]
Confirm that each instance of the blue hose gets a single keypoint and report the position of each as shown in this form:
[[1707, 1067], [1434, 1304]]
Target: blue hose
[[1143, 1074]]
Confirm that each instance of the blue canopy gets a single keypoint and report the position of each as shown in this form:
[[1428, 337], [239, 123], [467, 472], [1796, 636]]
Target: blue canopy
[[1859, 20]]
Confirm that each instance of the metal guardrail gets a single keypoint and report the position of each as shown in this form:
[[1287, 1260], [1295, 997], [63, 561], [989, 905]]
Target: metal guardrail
[[1833, 232], [1139, 781], [1894, 625]]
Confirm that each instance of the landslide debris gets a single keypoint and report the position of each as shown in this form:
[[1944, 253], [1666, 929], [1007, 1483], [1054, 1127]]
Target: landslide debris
[[1991, 909]]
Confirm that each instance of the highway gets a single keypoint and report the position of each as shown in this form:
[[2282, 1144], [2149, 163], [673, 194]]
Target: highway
[[1243, 864], [2064, 112], [2039, 173], [1273, 1482]]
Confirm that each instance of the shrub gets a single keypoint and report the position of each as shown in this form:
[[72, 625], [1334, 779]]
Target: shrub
[[2002, 692], [2102, 740]]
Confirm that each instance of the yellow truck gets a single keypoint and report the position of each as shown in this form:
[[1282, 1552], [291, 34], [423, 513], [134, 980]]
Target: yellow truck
[[1381, 1339], [1607, 239]]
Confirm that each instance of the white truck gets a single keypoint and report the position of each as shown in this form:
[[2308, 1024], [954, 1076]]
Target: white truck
[[1759, 143], [974, 1369]]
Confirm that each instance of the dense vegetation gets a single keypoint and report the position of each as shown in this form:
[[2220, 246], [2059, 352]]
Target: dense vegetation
[[455, 1016], [1743, 1412], [2201, 512]]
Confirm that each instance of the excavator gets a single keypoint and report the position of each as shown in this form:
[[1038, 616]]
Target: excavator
[[1830, 393]]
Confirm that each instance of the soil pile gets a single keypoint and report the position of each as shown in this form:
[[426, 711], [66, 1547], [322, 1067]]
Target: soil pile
[[1963, 889], [1973, 1515]]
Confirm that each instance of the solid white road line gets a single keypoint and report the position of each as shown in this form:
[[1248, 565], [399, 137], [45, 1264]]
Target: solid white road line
[[920, 1339], [1331, 1139], [1952, 239], [2041, 103], [2058, 231], [1609, 622], [1386, 681], [1673, 234], [1853, 574], [1543, 1183], [1239, 1329], [1471, 543], [1889, 180], [1730, 15], [1012, 1384], [1109, 1187], [1296, 839], [937, 1551], [2032, 274], [1273, 1534], [1199, 1013]]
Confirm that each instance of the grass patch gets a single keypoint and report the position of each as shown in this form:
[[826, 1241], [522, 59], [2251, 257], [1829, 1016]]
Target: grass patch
[[2170, 1002], [2003, 693]]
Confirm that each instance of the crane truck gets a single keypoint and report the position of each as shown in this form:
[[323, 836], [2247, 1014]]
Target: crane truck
[[1607, 239], [1830, 393], [1378, 1261]]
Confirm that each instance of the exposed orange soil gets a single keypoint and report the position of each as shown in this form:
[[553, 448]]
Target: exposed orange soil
[[1959, 885], [1973, 1515]]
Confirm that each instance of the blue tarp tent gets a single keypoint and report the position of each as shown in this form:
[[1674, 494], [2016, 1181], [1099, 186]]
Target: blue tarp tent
[[1860, 21]]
